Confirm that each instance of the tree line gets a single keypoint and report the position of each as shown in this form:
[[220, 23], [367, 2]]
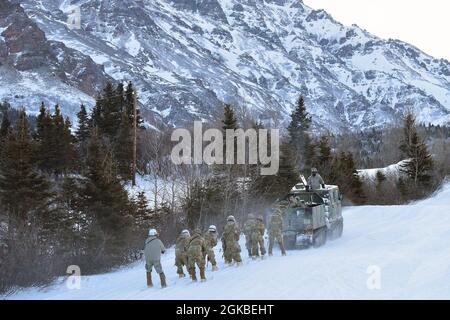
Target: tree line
[[63, 197]]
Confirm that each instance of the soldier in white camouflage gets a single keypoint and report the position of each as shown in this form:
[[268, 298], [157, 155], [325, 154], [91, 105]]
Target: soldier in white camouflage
[[230, 242], [152, 252], [315, 181], [181, 248], [248, 227], [275, 231], [257, 237], [196, 255], [211, 241]]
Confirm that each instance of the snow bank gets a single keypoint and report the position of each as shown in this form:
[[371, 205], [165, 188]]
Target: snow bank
[[392, 170], [407, 244]]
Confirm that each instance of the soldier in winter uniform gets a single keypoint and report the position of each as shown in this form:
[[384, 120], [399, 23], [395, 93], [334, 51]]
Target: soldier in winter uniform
[[181, 248], [258, 237], [230, 242], [196, 255], [211, 241], [275, 231], [315, 181], [152, 251], [248, 227]]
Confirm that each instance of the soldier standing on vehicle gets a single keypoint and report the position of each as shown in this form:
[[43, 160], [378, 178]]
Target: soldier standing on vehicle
[[230, 242], [248, 227], [196, 255], [211, 241], [258, 238], [152, 251], [181, 248], [275, 232], [315, 181]]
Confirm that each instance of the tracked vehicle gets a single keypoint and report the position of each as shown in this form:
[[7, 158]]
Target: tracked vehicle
[[311, 217]]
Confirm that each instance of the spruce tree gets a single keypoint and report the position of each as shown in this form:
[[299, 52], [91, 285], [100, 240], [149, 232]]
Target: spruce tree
[[409, 128], [83, 130], [26, 201], [298, 133], [418, 168], [5, 126], [61, 142], [70, 155], [43, 121], [287, 172], [226, 174], [55, 151], [44, 137], [229, 120], [129, 106], [269, 188], [123, 148], [142, 210], [380, 178], [24, 194], [129, 101], [403, 190], [324, 158], [107, 203], [119, 98], [345, 175], [310, 157], [111, 112], [419, 164], [96, 119]]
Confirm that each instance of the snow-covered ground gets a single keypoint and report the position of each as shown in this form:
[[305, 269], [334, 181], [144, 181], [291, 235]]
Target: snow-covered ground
[[393, 170], [407, 246]]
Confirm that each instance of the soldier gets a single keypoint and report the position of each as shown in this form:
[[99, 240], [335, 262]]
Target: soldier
[[275, 230], [196, 255], [211, 241], [258, 238], [153, 250], [248, 227], [315, 181], [230, 242], [181, 252]]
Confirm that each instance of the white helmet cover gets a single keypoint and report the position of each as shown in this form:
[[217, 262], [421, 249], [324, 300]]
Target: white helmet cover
[[186, 232]]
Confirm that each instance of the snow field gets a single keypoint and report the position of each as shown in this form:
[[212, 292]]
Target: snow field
[[408, 245]]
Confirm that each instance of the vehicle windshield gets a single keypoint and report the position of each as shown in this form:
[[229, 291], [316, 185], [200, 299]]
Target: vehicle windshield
[[295, 212], [307, 198]]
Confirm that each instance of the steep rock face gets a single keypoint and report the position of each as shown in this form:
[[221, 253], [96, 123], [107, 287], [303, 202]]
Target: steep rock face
[[188, 57], [34, 69]]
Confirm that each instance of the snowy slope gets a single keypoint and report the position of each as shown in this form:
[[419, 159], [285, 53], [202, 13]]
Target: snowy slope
[[34, 69], [391, 170], [187, 57], [408, 243]]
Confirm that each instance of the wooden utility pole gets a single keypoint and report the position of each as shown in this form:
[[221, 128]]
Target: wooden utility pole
[[133, 174]]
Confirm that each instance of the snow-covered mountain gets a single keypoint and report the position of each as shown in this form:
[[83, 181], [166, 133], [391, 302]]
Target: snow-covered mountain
[[189, 56], [35, 69], [407, 246]]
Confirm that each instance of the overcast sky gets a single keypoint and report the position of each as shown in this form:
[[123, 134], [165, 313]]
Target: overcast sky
[[425, 24]]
